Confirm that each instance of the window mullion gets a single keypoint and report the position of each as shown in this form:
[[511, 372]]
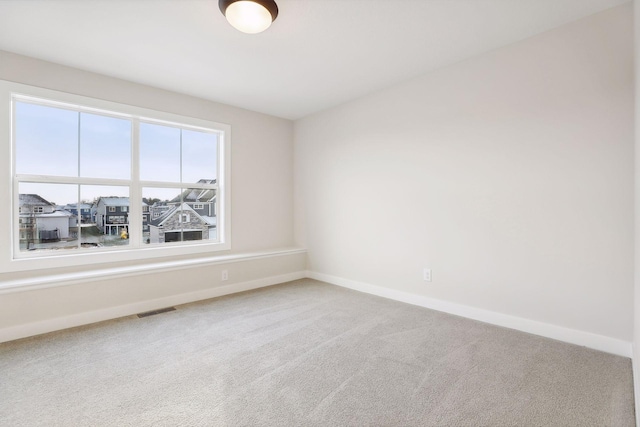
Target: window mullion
[[181, 193], [78, 208], [135, 191], [220, 167], [16, 216], [220, 205], [74, 186]]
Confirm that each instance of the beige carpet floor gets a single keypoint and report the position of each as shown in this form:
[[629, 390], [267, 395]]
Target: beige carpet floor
[[307, 353]]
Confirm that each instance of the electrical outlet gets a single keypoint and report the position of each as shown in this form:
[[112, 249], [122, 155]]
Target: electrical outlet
[[225, 275], [427, 274]]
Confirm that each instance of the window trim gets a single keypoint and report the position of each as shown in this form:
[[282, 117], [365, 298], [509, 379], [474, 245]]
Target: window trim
[[12, 260]]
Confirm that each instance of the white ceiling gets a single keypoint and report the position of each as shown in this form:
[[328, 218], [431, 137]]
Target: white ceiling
[[317, 54]]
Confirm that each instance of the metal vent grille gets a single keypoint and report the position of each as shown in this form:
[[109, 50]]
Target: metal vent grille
[[151, 313]]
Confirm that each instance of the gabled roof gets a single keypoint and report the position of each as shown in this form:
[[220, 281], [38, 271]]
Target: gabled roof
[[158, 222], [195, 195], [162, 218], [33, 200], [114, 201]]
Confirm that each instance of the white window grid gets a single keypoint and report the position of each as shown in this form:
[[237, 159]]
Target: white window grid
[[135, 184]]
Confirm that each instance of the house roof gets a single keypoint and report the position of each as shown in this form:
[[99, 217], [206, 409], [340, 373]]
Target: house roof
[[74, 206], [159, 221], [114, 201], [211, 220], [54, 214], [197, 195], [33, 200], [165, 215]]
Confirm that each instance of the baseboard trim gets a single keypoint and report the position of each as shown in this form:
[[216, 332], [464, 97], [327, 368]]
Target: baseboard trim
[[635, 366], [586, 339], [56, 324], [572, 336]]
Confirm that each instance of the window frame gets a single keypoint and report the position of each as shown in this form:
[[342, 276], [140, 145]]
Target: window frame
[[12, 259]]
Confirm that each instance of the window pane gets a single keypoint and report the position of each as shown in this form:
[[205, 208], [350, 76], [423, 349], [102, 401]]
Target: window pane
[[109, 216], [199, 156], [159, 153], [203, 220], [163, 209], [82, 159], [46, 140], [44, 222], [105, 147]]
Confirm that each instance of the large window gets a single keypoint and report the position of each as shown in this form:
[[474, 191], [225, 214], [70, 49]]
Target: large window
[[83, 176]]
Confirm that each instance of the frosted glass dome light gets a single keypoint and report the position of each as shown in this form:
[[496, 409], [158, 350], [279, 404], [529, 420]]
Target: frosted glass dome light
[[249, 16]]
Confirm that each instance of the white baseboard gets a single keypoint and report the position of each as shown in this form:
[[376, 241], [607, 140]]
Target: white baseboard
[[50, 325], [573, 336], [598, 342], [635, 365]]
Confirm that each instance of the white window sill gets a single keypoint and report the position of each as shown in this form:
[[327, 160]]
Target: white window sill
[[43, 260], [94, 274]]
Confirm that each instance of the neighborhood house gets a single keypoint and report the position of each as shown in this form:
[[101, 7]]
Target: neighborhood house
[[39, 220], [83, 211], [112, 215], [189, 216]]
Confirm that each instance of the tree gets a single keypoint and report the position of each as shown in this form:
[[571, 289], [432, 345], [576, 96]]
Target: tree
[[150, 201]]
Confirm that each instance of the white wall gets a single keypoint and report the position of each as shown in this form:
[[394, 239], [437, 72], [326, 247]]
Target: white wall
[[636, 299], [509, 174], [261, 144], [261, 202]]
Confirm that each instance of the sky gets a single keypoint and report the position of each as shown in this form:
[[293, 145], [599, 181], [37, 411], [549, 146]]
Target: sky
[[58, 142]]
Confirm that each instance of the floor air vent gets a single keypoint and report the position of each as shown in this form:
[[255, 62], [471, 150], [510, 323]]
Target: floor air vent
[[151, 313]]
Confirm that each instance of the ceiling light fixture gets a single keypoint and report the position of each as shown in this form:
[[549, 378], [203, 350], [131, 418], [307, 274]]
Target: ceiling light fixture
[[249, 16]]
